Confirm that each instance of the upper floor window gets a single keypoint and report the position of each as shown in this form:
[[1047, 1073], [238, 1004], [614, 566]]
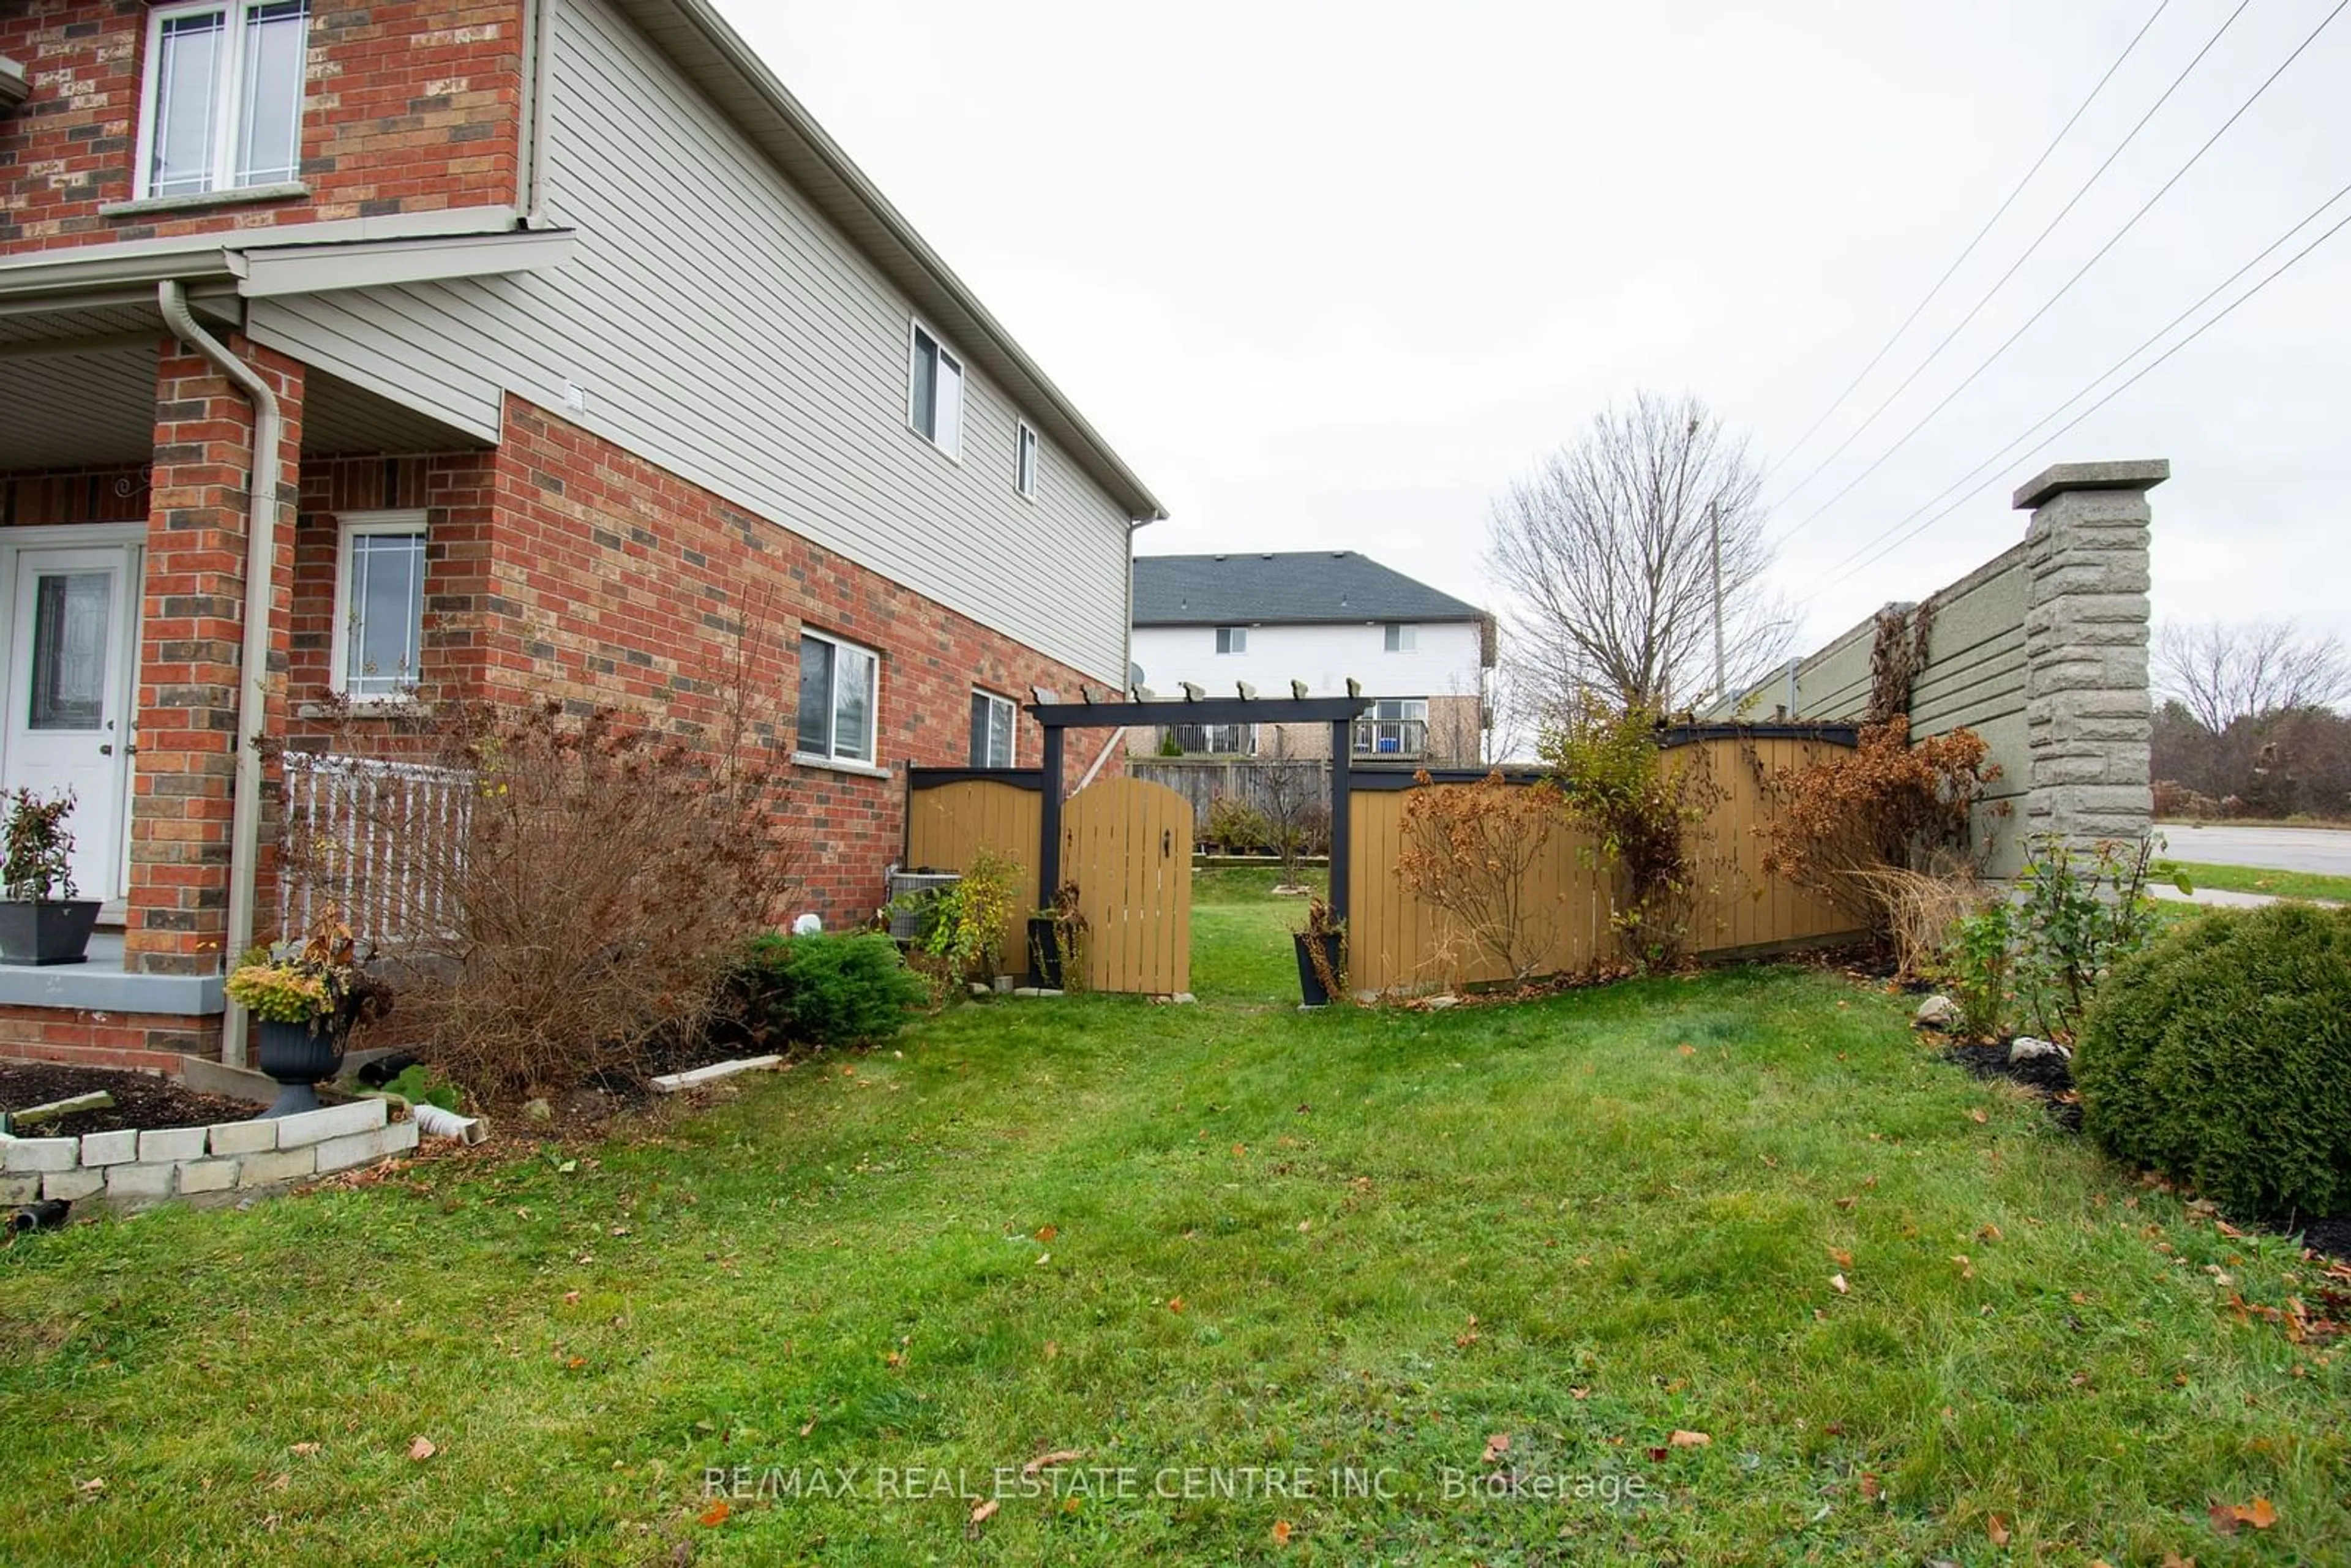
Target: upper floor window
[[1024, 461], [934, 393], [992, 719], [1232, 639], [379, 606], [223, 96], [1402, 639], [839, 692]]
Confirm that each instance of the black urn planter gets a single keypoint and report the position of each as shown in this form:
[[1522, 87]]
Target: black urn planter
[[299, 1060], [1045, 951], [52, 930], [1309, 979]]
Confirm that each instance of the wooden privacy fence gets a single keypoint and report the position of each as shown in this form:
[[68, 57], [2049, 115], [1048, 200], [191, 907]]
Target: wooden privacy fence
[[1126, 843], [1396, 942]]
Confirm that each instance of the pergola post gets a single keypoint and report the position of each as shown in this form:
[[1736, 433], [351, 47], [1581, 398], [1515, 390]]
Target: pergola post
[[1049, 821], [1343, 745]]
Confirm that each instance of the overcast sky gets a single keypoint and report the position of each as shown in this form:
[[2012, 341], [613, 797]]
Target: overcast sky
[[1331, 276]]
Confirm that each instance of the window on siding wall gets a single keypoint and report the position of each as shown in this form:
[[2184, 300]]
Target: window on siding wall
[[380, 606], [1402, 639], [1024, 461], [934, 399], [223, 96], [839, 694], [992, 721], [1232, 639]]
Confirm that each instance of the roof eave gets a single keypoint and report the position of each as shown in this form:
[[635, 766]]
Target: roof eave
[[698, 38]]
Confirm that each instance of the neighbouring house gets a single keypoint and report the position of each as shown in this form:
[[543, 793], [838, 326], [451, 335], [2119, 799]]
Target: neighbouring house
[[578, 361], [1421, 657]]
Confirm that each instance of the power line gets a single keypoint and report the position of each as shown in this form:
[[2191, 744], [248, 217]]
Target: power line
[[1859, 561], [2012, 339], [2030, 251], [1951, 271]]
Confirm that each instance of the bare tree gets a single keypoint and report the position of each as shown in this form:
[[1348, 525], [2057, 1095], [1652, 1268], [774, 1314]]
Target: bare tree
[[1609, 551], [1294, 796], [2224, 670]]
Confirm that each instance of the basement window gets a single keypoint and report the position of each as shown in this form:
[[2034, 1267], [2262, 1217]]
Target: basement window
[[839, 692], [223, 97], [934, 393], [380, 606]]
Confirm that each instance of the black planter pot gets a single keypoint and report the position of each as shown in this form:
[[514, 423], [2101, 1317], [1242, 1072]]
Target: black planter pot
[[299, 1060], [1045, 952], [52, 931], [1310, 982]]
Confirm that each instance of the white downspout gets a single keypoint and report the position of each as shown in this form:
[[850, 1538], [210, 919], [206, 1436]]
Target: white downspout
[[252, 665]]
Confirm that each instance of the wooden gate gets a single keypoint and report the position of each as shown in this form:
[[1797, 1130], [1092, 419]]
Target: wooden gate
[[1128, 846]]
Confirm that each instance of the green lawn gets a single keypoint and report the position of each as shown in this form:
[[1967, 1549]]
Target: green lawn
[[1182, 1241], [2256, 879]]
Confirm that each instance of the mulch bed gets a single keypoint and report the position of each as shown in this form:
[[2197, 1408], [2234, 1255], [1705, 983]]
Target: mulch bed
[[2052, 1078], [141, 1100]]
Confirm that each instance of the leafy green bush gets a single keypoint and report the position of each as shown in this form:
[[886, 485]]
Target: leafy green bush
[[2084, 911], [1237, 826], [2221, 1055], [823, 989]]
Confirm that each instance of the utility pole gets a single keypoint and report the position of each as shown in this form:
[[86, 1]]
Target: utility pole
[[1714, 529]]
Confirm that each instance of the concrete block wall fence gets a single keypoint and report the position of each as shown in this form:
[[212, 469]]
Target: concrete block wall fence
[[2042, 651]]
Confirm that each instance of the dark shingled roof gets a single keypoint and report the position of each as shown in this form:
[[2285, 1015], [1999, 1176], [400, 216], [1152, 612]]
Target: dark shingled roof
[[1294, 587]]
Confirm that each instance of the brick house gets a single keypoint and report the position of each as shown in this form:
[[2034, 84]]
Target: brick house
[[578, 360]]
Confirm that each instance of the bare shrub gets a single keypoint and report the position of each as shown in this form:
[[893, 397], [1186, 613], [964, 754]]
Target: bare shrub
[[580, 904], [1642, 807], [1923, 911], [1886, 805], [1467, 849]]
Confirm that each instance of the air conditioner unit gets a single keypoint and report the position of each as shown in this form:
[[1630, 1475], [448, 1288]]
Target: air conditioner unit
[[906, 918]]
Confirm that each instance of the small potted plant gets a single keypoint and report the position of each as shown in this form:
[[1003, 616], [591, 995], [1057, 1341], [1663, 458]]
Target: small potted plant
[[1321, 955], [41, 920], [1055, 939], [304, 1002]]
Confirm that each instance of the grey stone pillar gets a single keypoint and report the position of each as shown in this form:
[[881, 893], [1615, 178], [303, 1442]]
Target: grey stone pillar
[[2087, 712]]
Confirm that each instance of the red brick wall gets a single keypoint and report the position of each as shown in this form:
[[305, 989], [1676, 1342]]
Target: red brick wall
[[611, 580], [189, 649], [410, 106], [151, 1042]]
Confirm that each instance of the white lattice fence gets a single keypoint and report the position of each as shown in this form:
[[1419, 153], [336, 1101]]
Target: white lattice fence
[[353, 829]]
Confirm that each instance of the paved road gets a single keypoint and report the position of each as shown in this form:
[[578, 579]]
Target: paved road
[[2324, 850]]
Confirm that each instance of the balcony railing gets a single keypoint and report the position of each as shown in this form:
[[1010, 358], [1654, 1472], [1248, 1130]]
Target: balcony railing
[[1214, 739], [379, 840], [1396, 737]]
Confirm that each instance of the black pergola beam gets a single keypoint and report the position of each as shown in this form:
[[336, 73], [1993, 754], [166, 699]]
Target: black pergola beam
[[1208, 710]]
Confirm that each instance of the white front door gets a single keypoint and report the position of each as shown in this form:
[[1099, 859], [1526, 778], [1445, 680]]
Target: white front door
[[69, 656]]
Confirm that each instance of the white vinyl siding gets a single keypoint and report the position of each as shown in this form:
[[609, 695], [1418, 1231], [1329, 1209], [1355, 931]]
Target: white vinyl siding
[[725, 330], [220, 108], [379, 606], [840, 699]]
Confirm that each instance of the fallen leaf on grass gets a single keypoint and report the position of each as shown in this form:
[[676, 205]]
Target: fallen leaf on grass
[[1846, 1202], [2173, 1560], [1174, 1303], [1579, 1394], [808, 1426], [1688, 1050], [1988, 1232], [422, 1449], [1281, 1531], [91, 1487], [1495, 1446], [1836, 1282], [1997, 1527], [980, 1514], [1871, 1488], [716, 1513], [2260, 1513], [1967, 1269], [306, 1448], [1690, 1439], [1840, 1257], [1978, 1115], [1046, 1233], [1045, 1461]]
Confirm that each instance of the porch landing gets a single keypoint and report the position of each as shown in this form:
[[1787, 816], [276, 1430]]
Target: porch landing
[[101, 985]]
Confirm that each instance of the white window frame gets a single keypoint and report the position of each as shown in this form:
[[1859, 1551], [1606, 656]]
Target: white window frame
[[1232, 640], [355, 525], [230, 111], [1027, 457], [832, 756], [1011, 726], [1400, 637], [917, 329]]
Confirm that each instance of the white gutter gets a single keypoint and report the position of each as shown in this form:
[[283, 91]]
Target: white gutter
[[253, 664]]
